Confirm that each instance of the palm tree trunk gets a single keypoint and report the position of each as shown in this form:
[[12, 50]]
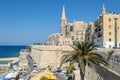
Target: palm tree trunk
[[109, 57], [81, 75]]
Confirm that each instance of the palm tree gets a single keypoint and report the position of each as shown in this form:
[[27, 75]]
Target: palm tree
[[70, 69], [83, 54], [29, 48]]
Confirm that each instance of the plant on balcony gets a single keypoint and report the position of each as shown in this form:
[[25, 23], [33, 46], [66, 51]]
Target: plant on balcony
[[110, 53]]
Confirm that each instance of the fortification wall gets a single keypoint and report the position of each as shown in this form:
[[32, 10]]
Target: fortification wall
[[46, 56], [50, 55], [114, 60], [101, 74]]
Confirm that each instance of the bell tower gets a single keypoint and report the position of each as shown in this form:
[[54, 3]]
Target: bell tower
[[103, 10], [63, 22]]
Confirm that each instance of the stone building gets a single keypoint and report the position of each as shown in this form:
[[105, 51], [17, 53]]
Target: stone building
[[53, 39], [89, 36], [45, 56], [106, 33], [69, 32]]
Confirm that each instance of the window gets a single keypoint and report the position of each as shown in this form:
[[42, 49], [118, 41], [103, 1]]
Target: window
[[72, 37], [109, 19], [83, 27], [109, 33], [109, 39], [88, 38], [63, 23], [109, 26], [71, 28], [109, 46], [63, 42], [68, 41]]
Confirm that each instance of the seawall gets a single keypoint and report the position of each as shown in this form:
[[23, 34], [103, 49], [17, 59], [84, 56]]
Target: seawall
[[8, 59], [50, 55]]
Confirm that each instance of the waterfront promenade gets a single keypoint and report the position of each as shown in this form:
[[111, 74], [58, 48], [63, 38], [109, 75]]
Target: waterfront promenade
[[3, 64], [8, 59]]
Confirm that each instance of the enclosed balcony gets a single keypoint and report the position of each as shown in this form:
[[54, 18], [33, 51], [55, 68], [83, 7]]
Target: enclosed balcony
[[99, 34]]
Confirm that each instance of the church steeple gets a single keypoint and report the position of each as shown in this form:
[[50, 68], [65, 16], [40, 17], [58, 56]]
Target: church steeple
[[63, 14], [103, 10], [63, 22]]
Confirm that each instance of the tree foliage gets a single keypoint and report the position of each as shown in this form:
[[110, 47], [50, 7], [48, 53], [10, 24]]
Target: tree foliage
[[83, 54]]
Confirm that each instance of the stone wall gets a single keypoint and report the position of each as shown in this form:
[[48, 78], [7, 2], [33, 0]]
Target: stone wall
[[100, 74], [114, 59], [111, 73], [50, 55], [46, 56]]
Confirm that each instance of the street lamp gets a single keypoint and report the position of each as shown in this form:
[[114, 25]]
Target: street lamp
[[115, 32]]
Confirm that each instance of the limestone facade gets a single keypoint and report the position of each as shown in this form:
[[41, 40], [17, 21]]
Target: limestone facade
[[23, 59], [46, 56], [106, 30], [89, 36], [69, 32], [53, 39]]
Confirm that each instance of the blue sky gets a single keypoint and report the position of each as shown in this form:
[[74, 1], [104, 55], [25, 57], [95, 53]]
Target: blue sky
[[23, 22]]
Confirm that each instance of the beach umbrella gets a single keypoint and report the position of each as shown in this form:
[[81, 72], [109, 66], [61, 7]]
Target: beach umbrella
[[49, 75], [10, 75], [4, 78], [15, 74], [15, 61], [34, 72], [52, 77]]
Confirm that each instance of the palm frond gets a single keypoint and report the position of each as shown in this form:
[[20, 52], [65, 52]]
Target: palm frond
[[99, 59], [92, 65], [83, 54], [65, 58], [90, 46], [74, 47]]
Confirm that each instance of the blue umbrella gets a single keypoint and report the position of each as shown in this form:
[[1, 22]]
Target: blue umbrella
[[3, 78]]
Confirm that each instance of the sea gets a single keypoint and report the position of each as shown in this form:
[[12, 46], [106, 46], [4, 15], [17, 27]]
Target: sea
[[10, 51]]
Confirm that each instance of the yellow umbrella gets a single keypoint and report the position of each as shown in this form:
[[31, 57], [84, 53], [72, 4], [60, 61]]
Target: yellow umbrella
[[49, 75], [53, 77]]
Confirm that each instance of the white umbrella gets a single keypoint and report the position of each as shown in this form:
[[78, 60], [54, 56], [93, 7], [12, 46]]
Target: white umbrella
[[15, 74], [34, 71], [10, 75], [15, 61]]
